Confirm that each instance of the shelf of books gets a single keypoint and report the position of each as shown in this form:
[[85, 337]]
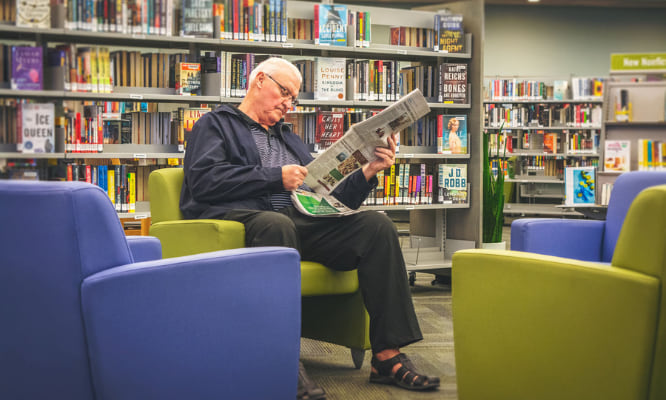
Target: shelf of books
[[102, 91], [544, 127]]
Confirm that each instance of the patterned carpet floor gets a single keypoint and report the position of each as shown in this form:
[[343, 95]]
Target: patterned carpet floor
[[332, 368]]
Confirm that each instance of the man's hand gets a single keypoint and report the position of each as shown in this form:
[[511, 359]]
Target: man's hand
[[293, 176], [385, 158]]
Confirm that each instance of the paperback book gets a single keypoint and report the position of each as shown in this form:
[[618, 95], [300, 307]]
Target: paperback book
[[188, 79], [37, 127], [617, 155], [580, 185], [27, 68], [332, 25], [452, 188], [452, 134]]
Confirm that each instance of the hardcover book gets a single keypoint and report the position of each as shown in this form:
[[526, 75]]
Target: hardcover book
[[453, 83], [330, 128], [188, 79], [37, 127], [452, 134], [450, 37], [333, 24], [452, 188], [27, 68], [33, 13], [580, 185], [188, 117], [329, 78], [617, 155], [197, 18]]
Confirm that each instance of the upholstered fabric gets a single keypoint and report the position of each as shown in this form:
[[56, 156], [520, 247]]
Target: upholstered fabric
[[584, 239], [333, 308], [82, 320], [531, 326]]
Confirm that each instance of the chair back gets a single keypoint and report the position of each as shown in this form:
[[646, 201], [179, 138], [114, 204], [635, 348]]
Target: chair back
[[625, 189], [164, 187], [52, 236], [640, 247]]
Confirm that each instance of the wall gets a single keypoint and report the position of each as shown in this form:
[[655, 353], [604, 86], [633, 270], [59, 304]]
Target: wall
[[547, 42]]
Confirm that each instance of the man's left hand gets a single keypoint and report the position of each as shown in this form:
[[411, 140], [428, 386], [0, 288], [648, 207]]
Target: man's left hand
[[385, 158]]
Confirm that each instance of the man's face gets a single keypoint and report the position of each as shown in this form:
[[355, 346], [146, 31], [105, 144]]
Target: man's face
[[278, 89]]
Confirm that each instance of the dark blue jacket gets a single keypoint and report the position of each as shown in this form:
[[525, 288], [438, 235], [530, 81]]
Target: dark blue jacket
[[223, 168]]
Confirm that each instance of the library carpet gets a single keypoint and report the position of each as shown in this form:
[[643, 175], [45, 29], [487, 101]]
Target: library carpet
[[331, 366]]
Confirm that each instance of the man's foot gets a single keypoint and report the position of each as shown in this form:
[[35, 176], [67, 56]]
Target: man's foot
[[307, 388], [398, 370]]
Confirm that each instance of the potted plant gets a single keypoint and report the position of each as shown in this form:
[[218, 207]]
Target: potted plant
[[493, 190]]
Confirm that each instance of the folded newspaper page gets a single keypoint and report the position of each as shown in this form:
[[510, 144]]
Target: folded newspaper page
[[357, 146], [317, 205]]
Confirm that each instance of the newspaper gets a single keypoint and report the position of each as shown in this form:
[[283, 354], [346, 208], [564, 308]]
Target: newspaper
[[357, 147], [318, 205]]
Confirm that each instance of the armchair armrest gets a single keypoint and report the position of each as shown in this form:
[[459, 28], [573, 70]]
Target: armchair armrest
[[144, 248], [201, 327], [521, 319], [579, 239], [194, 236]]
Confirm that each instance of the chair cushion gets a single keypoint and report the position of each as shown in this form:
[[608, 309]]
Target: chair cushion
[[318, 280]]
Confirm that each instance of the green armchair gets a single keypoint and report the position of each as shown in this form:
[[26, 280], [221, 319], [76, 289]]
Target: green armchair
[[530, 326], [332, 306]]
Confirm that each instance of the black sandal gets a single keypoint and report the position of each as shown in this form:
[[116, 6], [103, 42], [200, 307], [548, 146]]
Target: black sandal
[[405, 377]]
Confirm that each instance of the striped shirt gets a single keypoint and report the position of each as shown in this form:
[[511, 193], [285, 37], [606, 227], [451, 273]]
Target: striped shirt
[[274, 153]]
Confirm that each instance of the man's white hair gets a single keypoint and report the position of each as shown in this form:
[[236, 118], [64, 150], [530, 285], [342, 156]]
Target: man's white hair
[[272, 65]]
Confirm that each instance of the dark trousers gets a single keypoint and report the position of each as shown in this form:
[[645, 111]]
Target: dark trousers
[[367, 241]]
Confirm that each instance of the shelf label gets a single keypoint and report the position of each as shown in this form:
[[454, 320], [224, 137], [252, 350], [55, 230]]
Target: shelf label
[[410, 207], [136, 96], [401, 51], [140, 216], [287, 45], [406, 155], [139, 155]]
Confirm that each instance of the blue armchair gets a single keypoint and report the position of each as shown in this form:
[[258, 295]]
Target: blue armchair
[[90, 314], [586, 240]]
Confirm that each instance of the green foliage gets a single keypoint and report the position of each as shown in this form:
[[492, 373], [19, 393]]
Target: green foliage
[[493, 191]]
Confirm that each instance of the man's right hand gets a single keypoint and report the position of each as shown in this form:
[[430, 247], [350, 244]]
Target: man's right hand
[[293, 176]]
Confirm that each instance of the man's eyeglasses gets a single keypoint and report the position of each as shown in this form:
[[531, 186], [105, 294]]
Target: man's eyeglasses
[[284, 92]]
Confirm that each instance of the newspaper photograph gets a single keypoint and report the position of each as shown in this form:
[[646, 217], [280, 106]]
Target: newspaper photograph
[[357, 146], [318, 205]]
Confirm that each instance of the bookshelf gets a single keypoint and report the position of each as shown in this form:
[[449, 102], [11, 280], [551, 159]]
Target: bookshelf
[[437, 229], [544, 130], [646, 122]]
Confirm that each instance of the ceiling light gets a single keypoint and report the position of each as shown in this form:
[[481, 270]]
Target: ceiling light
[[533, 1]]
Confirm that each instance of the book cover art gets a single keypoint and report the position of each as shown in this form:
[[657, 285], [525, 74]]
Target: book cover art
[[329, 78], [560, 90], [450, 37], [453, 83], [188, 117], [38, 127], [330, 128], [453, 138], [33, 13], [27, 68], [550, 142], [617, 155], [452, 185], [188, 79], [580, 185], [333, 24], [197, 18]]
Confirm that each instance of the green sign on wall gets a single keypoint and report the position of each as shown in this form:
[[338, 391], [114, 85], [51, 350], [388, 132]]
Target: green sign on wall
[[638, 62]]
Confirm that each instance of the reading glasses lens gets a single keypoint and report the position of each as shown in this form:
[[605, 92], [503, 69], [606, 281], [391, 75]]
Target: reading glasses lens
[[284, 92]]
